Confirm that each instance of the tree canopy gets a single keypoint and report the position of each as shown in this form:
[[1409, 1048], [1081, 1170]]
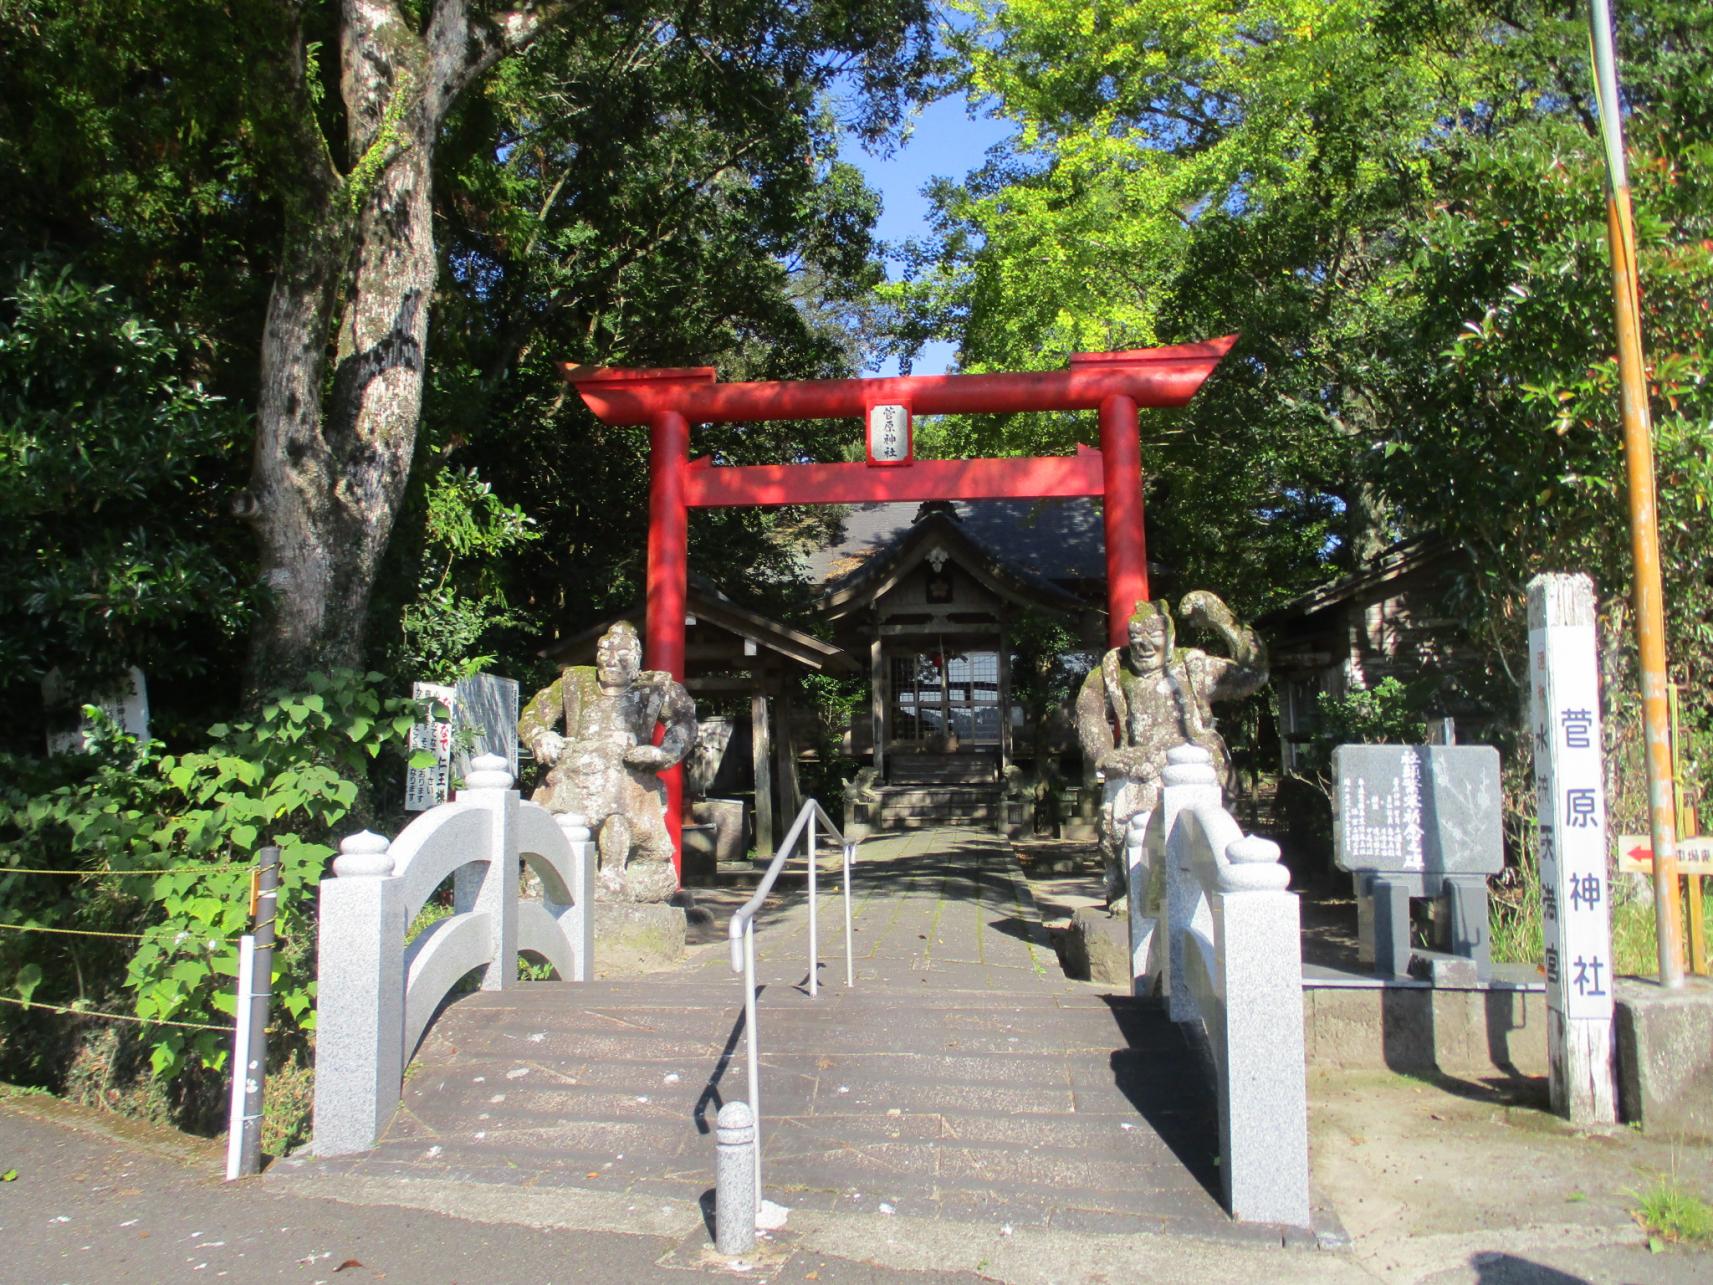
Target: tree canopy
[[1400, 208], [1397, 205], [279, 196]]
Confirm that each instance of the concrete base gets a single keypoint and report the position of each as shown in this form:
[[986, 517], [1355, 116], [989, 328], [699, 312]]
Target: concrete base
[[1081, 831], [633, 938], [1423, 1031], [1097, 948], [1665, 1056]]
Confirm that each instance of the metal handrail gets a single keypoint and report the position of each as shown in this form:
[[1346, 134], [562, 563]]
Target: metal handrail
[[741, 932]]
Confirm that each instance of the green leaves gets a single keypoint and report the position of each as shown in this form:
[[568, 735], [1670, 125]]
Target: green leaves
[[1401, 209], [302, 764], [25, 981], [111, 536]]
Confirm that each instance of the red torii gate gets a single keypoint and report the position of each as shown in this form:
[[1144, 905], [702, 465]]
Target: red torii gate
[[667, 401]]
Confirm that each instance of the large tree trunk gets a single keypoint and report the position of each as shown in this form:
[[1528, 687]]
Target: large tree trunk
[[334, 444]]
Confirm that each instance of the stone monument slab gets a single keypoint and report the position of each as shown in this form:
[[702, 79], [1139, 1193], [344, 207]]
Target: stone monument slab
[[1415, 821], [1417, 809]]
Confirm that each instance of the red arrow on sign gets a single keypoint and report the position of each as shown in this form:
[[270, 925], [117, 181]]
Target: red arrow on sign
[[1694, 855]]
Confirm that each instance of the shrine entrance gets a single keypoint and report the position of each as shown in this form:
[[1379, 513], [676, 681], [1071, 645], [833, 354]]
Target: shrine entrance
[[944, 700], [1116, 384]]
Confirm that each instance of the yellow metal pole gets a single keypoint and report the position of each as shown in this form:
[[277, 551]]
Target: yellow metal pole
[[1644, 517]]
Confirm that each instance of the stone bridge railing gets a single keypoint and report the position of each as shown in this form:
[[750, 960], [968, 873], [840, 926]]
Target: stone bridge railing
[[1214, 931], [377, 991]]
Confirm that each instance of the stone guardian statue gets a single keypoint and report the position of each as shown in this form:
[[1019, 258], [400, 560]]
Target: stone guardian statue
[[1147, 697], [605, 767]]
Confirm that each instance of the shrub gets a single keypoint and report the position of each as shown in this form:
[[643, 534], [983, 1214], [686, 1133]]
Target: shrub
[[189, 825]]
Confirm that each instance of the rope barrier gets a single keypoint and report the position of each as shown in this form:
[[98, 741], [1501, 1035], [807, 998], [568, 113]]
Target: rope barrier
[[91, 932], [127, 874], [113, 1017]]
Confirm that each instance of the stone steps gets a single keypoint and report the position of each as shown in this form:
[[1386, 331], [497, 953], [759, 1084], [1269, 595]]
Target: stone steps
[[942, 769], [1026, 1106], [963, 1078], [917, 807]]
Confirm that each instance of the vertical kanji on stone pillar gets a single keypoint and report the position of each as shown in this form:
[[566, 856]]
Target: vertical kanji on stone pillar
[[1564, 705]]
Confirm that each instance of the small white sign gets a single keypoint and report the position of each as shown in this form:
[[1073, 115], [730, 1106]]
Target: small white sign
[[1636, 855], [427, 787], [127, 704], [889, 435]]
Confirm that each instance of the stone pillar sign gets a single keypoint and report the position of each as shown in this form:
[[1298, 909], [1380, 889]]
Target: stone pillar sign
[[1570, 802]]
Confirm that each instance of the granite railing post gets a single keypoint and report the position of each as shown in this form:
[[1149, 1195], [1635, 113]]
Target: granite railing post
[[490, 882], [1143, 916], [359, 1065], [581, 917], [1263, 1117], [1187, 781]]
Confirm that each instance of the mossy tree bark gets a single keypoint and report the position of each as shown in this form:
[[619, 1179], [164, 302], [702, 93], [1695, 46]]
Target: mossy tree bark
[[343, 346]]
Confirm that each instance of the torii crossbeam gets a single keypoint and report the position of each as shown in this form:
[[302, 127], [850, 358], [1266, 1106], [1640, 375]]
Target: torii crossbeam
[[668, 401]]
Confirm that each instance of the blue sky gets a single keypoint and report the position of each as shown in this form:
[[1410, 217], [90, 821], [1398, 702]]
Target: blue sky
[[946, 143]]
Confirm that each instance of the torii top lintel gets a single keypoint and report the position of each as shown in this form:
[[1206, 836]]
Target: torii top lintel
[[1150, 377]]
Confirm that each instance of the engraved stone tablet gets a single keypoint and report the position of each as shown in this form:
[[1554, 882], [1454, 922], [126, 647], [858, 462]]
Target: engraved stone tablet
[[1428, 809]]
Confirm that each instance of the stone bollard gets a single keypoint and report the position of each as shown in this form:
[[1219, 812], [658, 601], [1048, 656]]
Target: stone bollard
[[734, 1180], [359, 1047]]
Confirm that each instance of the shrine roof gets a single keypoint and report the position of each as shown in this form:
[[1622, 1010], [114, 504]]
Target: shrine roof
[[709, 606], [1406, 556], [1059, 541], [879, 574]]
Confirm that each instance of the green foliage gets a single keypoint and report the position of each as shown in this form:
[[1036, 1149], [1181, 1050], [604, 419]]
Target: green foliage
[[834, 700], [388, 142], [1387, 713], [1514, 915], [645, 185], [1048, 666], [127, 131], [460, 600], [619, 199], [1514, 912], [290, 777], [112, 548], [1400, 208]]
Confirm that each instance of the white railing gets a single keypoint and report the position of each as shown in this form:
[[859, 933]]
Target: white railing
[[1229, 960], [742, 935], [376, 992]]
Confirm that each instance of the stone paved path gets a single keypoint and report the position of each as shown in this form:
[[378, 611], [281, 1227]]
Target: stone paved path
[[962, 1078]]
